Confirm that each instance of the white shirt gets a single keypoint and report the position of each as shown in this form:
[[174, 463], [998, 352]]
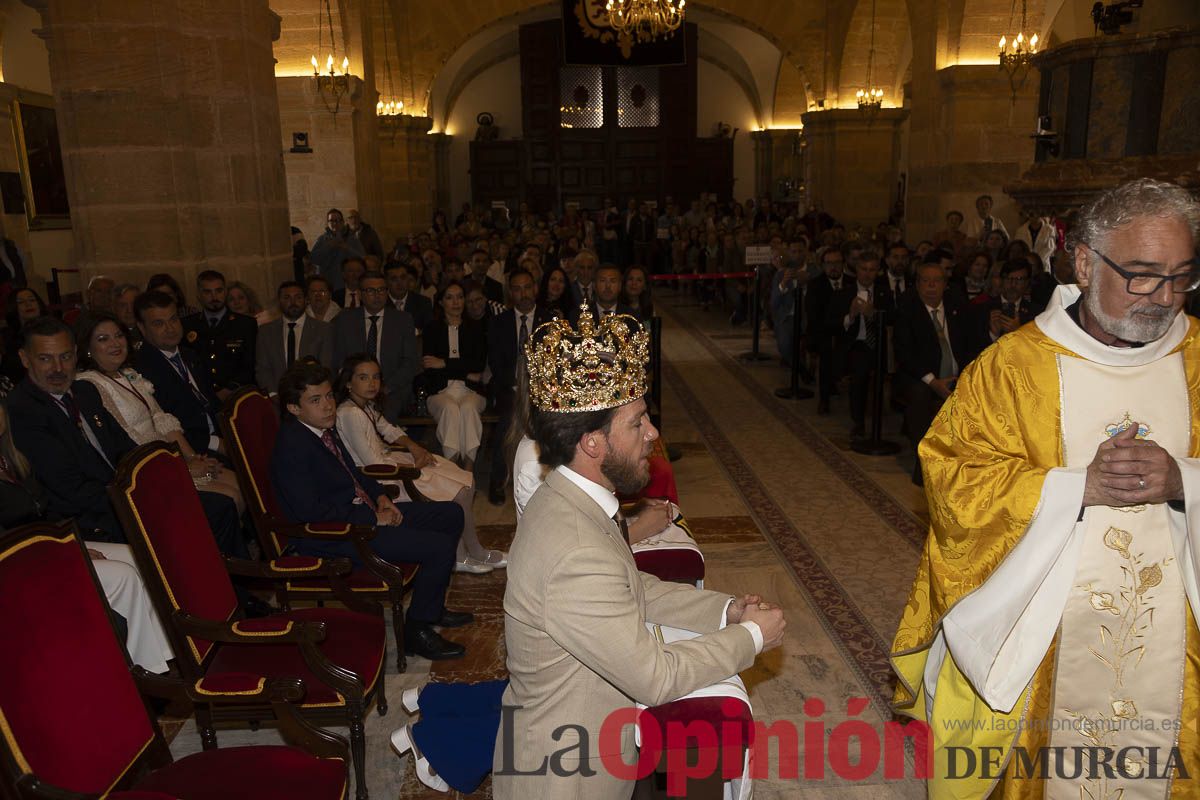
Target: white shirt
[[352, 298], [367, 329], [610, 505], [866, 294], [299, 330], [974, 226]]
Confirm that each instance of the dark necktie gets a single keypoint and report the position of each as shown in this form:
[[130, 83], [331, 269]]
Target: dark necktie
[[291, 344], [872, 337], [352, 298], [523, 337], [946, 368], [212, 322], [331, 445], [373, 336]]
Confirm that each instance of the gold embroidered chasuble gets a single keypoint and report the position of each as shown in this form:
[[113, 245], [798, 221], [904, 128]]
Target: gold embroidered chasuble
[[1007, 456]]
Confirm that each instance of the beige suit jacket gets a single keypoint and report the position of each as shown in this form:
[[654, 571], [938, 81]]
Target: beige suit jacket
[[575, 610]]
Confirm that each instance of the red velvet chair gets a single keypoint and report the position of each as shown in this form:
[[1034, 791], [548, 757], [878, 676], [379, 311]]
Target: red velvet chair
[[669, 564], [249, 424], [338, 653], [101, 739]]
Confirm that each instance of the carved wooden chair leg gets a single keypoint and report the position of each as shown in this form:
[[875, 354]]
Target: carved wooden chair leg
[[398, 628], [204, 721], [358, 749]]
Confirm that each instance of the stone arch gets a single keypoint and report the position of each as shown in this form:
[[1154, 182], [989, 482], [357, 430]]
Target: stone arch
[[791, 98], [892, 42]]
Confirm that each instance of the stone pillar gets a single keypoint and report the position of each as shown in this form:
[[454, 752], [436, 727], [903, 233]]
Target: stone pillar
[[763, 162], [169, 124], [970, 137], [853, 162], [441, 162], [409, 174]]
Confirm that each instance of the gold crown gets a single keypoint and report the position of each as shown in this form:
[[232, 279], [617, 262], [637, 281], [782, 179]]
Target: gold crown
[[590, 368]]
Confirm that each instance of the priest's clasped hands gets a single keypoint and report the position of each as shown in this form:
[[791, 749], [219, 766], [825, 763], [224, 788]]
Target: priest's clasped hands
[[768, 617], [1128, 471]]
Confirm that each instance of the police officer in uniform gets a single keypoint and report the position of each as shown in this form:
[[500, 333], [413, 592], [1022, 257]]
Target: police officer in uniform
[[223, 338]]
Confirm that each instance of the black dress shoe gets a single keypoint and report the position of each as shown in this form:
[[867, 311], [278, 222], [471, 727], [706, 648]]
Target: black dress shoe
[[422, 640], [496, 495], [256, 608], [455, 619]]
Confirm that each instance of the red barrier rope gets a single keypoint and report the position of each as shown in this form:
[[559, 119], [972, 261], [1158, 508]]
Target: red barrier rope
[[701, 276]]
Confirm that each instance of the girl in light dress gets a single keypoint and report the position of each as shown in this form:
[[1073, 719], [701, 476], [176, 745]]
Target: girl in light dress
[[104, 352], [371, 439]]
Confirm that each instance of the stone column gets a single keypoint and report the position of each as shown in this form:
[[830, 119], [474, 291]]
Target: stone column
[[763, 162], [441, 164], [853, 162], [969, 138], [169, 125], [409, 174]]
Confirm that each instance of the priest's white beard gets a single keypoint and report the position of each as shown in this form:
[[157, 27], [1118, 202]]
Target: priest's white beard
[[1145, 323]]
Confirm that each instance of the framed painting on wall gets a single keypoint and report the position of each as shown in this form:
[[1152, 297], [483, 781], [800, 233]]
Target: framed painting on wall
[[35, 129]]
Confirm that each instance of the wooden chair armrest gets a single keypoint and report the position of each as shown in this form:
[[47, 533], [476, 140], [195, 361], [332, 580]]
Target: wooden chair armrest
[[390, 472], [277, 630], [268, 630], [298, 731], [289, 567], [29, 786], [325, 531]]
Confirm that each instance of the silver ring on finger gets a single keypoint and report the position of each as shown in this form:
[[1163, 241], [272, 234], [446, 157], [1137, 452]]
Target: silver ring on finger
[[1141, 483]]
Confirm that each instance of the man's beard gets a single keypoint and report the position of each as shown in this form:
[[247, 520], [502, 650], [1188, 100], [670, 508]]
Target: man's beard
[[627, 477], [1147, 323]]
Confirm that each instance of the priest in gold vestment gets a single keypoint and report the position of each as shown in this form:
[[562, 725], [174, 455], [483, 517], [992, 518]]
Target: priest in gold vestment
[[1050, 638]]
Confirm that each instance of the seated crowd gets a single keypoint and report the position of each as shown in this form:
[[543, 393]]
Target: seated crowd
[[365, 350]]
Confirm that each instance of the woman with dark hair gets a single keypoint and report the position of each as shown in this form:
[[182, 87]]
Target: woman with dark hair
[[975, 282], [371, 439], [455, 356], [635, 293], [165, 283], [439, 226], [23, 305], [104, 353], [554, 293]]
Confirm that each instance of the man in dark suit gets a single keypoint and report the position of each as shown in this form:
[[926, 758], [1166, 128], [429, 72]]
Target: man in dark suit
[[387, 333], [315, 480], [480, 263], [608, 280], [222, 338], [507, 334], [294, 335], [932, 347], [851, 314], [1012, 309], [402, 281], [352, 272], [819, 336], [74, 444], [181, 384], [582, 271]]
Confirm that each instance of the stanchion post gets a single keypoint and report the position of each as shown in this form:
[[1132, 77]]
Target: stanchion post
[[794, 391], [755, 321], [877, 445]]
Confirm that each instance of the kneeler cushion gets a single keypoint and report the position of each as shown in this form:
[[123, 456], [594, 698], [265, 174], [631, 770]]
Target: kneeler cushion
[[671, 565], [263, 773]]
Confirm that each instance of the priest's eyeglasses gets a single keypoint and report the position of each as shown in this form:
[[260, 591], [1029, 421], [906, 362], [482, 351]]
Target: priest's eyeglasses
[[1147, 283]]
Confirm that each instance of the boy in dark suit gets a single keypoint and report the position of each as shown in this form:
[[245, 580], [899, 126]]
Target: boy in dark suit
[[315, 480]]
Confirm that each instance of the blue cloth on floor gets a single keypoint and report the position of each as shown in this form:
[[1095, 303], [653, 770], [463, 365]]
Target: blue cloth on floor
[[458, 729]]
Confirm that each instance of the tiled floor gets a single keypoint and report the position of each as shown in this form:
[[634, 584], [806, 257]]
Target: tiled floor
[[782, 507]]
